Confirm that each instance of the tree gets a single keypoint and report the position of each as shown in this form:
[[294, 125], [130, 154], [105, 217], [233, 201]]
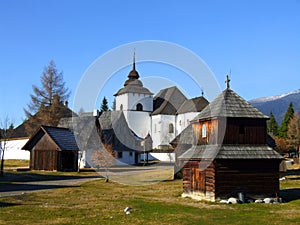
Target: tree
[[281, 145], [286, 120], [272, 125], [46, 106], [104, 157], [5, 134], [104, 105], [293, 133]]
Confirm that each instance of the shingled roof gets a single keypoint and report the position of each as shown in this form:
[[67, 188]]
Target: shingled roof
[[230, 152], [230, 104], [193, 105], [135, 86], [168, 101], [63, 138]]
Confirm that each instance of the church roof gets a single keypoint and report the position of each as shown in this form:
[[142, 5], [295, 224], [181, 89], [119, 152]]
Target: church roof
[[230, 152], [133, 84], [168, 101], [230, 104], [193, 105]]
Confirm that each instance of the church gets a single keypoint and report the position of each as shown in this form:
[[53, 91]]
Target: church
[[162, 116]]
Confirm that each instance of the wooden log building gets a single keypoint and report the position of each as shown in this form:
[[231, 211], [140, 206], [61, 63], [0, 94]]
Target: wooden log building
[[231, 155], [53, 148]]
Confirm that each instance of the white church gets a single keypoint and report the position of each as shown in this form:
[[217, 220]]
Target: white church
[[162, 116]]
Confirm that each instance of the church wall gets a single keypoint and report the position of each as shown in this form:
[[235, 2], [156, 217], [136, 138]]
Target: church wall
[[183, 120], [122, 100], [162, 134], [145, 100], [139, 122]]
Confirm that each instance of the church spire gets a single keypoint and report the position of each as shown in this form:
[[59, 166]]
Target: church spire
[[133, 74]]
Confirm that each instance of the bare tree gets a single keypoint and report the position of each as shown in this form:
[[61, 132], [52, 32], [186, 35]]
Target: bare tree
[[46, 106], [104, 157], [6, 133]]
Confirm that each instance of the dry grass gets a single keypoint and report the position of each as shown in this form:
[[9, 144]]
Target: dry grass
[[97, 202]]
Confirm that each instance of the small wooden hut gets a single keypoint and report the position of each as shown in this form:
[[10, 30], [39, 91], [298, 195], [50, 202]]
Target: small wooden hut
[[53, 148], [231, 155]]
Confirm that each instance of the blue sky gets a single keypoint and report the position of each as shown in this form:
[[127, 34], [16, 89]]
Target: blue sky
[[259, 41]]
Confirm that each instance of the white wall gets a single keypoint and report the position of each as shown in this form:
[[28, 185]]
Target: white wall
[[160, 129], [130, 100], [183, 120], [138, 122], [14, 149]]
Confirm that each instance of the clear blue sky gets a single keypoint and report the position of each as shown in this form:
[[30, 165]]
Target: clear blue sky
[[259, 40]]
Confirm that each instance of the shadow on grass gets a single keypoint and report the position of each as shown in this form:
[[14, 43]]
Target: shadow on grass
[[20, 187], [292, 172], [290, 194], [6, 204], [30, 177]]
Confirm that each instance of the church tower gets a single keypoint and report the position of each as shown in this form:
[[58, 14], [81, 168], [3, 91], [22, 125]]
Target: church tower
[[136, 102]]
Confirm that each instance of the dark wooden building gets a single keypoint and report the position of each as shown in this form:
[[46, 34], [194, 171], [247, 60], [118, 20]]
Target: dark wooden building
[[53, 148], [229, 154]]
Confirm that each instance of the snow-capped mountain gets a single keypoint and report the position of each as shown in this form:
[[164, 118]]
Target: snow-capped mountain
[[278, 104]]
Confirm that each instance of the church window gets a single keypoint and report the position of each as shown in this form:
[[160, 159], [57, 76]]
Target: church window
[[155, 129], [188, 122], [171, 128], [204, 131], [139, 107], [120, 155], [179, 122], [121, 107]]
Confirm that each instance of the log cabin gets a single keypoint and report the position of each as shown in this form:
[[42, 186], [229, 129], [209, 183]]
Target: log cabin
[[230, 154], [53, 148]]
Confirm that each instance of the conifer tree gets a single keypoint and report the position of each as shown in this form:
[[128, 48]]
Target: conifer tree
[[293, 134], [272, 125], [46, 106], [286, 120], [104, 105]]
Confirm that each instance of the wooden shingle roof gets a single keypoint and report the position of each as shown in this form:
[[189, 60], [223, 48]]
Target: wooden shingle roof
[[230, 152], [193, 105], [230, 104], [168, 101], [63, 138]]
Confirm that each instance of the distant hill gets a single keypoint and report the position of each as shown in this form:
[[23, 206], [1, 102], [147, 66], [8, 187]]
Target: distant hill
[[278, 104]]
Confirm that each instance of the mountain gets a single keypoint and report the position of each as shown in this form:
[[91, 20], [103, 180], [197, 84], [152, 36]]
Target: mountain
[[278, 104]]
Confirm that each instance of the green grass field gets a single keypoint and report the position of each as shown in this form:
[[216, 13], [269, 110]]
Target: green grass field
[[97, 202]]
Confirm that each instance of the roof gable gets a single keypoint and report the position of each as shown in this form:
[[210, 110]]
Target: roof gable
[[230, 104], [168, 101], [62, 137]]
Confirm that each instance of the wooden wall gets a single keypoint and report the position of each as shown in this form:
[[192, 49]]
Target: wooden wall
[[44, 155], [253, 177], [232, 131]]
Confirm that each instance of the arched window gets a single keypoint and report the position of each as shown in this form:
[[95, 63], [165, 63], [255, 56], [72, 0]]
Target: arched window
[[204, 131], [171, 128], [121, 107], [139, 107]]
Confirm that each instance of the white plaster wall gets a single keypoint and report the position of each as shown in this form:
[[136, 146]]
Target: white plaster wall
[[185, 119], [145, 100], [160, 129], [14, 149], [163, 157], [156, 129], [139, 122], [122, 99], [126, 158]]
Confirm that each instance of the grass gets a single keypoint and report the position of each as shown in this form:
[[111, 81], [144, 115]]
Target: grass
[[15, 163], [97, 202]]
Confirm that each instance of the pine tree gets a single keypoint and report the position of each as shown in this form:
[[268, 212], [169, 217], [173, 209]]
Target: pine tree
[[46, 106], [104, 105], [293, 134], [286, 120], [272, 125]]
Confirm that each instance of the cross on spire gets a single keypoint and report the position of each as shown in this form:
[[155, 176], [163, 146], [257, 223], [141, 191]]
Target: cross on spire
[[133, 65], [227, 82]]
